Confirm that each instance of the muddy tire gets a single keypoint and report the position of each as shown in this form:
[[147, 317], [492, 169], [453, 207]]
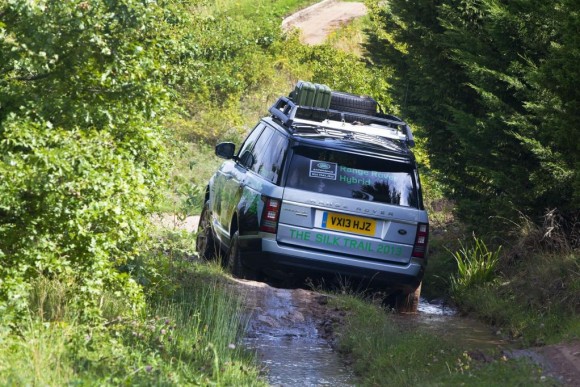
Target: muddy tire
[[408, 303], [234, 262], [205, 242], [351, 103]]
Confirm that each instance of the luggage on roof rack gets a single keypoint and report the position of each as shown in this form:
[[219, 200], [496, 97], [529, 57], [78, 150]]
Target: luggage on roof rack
[[311, 94], [287, 111], [322, 97], [303, 94]]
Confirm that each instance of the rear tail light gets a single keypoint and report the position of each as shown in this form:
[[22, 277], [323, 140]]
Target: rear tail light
[[420, 247], [270, 215]]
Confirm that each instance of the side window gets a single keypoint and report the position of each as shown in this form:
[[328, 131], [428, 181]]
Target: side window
[[269, 155], [245, 154]]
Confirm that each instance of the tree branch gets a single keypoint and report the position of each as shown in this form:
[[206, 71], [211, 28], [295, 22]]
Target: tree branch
[[33, 77]]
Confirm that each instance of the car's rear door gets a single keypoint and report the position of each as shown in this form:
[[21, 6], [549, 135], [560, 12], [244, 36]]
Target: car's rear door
[[351, 204], [228, 183]]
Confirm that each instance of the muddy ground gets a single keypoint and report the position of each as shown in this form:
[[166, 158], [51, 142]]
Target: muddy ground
[[292, 332]]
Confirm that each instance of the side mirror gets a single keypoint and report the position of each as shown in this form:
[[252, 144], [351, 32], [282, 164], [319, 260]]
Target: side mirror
[[225, 150]]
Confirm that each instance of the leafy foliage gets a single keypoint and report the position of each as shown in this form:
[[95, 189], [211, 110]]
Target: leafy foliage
[[338, 69], [230, 46], [491, 84], [84, 89], [83, 86]]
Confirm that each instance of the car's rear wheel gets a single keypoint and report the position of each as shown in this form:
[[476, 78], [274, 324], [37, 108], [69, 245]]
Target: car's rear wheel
[[204, 242], [408, 303], [234, 262]]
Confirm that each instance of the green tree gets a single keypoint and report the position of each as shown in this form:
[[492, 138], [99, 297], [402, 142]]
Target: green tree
[[83, 86], [475, 76], [556, 101]]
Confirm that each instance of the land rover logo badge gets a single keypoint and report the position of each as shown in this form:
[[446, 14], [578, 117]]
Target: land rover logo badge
[[403, 232], [323, 169]]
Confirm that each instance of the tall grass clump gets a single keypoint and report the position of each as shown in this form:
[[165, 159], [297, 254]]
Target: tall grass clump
[[188, 333], [536, 295], [389, 351], [476, 265]]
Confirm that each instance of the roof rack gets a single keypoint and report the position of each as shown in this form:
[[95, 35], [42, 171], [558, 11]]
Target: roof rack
[[285, 110]]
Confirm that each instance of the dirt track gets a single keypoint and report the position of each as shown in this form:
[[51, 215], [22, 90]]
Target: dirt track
[[317, 21]]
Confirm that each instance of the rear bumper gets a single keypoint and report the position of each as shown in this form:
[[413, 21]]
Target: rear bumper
[[285, 260]]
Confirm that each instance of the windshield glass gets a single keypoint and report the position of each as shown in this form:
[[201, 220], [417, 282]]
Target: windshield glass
[[353, 176]]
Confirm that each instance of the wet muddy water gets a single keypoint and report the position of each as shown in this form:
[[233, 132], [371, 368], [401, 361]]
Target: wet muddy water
[[444, 321], [286, 337], [289, 345], [300, 359]]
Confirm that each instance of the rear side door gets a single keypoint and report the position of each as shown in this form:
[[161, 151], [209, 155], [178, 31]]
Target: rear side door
[[263, 179], [228, 183], [257, 171]]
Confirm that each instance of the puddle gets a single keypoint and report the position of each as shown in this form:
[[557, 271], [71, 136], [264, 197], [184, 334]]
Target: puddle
[[299, 361], [443, 320], [287, 332], [290, 347]]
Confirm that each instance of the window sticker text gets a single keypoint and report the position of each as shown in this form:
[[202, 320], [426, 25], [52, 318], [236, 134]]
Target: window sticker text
[[323, 169]]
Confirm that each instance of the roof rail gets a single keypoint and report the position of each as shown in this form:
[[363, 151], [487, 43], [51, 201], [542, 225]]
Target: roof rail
[[286, 110]]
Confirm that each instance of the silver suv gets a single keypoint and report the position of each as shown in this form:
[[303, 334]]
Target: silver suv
[[330, 191]]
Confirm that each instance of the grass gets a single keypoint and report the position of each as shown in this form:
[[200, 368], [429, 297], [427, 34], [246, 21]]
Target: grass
[[350, 37], [537, 302], [530, 292], [385, 353], [280, 8], [287, 7], [194, 164], [188, 334]]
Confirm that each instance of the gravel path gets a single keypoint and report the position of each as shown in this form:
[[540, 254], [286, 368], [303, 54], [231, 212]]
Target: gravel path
[[319, 20]]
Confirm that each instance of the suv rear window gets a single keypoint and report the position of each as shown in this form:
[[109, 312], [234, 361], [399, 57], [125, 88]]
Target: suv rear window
[[352, 176]]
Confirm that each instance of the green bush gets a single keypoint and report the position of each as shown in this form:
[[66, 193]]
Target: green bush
[[83, 87]]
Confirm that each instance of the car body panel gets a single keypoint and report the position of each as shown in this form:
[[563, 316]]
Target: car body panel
[[316, 231]]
